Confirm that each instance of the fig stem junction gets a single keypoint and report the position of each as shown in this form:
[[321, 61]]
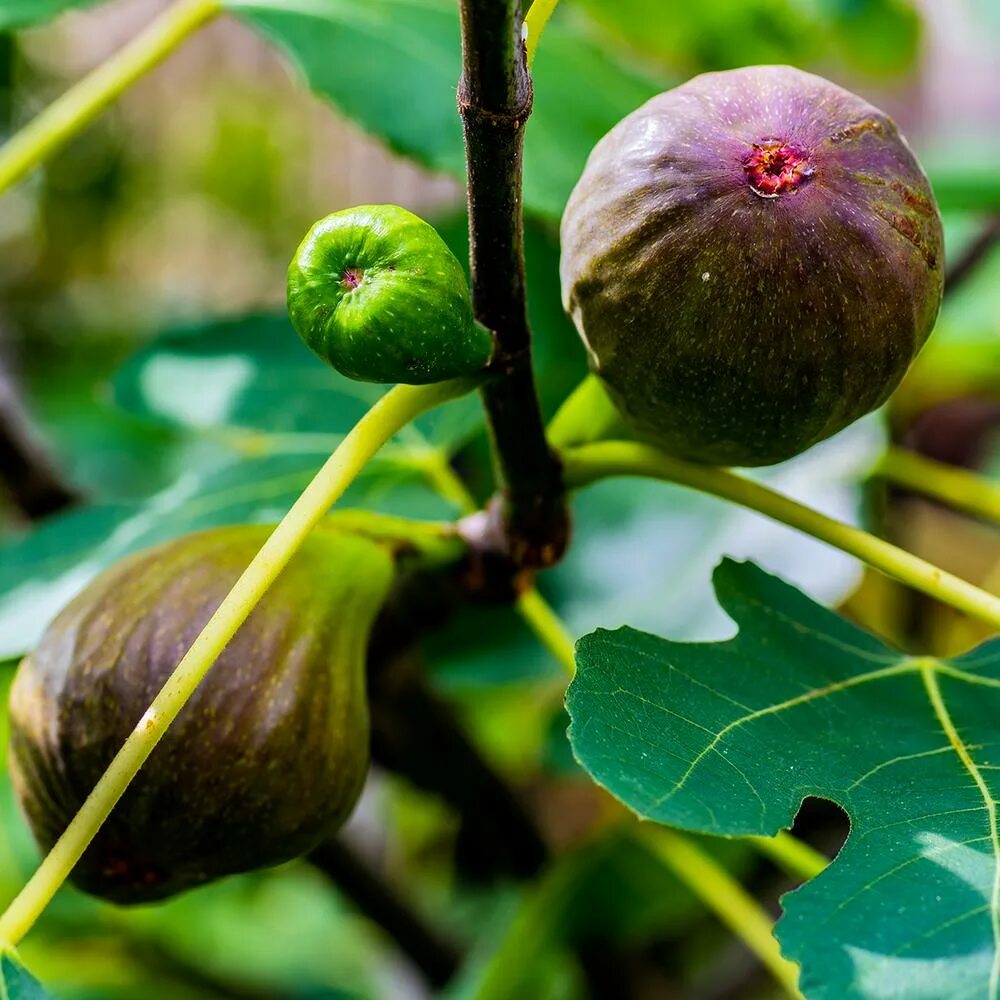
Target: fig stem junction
[[69, 114], [534, 610], [587, 414], [391, 413], [534, 24], [590, 463]]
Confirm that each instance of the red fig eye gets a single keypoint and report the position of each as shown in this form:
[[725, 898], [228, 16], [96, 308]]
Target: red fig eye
[[773, 167], [351, 278]]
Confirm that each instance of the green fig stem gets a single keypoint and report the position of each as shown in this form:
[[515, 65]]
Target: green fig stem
[[390, 414], [587, 414], [548, 627], [590, 463], [535, 21], [791, 855], [733, 905], [965, 491], [81, 104]]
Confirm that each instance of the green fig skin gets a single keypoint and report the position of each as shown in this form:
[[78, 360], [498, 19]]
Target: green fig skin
[[267, 758], [375, 292], [753, 259]]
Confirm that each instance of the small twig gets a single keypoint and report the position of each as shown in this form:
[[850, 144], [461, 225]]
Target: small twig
[[416, 735], [436, 957], [963, 490], [27, 474], [494, 99], [973, 255], [730, 902]]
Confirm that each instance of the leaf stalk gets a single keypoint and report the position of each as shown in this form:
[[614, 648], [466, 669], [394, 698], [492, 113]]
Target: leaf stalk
[[590, 463]]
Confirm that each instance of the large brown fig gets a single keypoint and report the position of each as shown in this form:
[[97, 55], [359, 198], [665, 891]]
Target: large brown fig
[[753, 260], [266, 759]]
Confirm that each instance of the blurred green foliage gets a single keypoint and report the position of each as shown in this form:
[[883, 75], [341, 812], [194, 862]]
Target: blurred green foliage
[[875, 37], [142, 275]]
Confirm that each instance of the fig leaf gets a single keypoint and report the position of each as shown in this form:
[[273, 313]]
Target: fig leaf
[[729, 738]]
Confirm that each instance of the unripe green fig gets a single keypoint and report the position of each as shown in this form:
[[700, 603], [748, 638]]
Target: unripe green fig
[[753, 260], [376, 293], [266, 759]]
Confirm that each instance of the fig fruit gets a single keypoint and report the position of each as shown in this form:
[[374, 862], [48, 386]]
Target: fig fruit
[[753, 260], [377, 294], [266, 759]]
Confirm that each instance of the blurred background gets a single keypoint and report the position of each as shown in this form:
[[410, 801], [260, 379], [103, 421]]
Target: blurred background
[[180, 208]]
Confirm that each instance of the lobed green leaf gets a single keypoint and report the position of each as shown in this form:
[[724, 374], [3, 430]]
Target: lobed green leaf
[[729, 738]]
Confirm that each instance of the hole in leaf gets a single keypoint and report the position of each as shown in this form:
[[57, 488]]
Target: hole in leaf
[[822, 824]]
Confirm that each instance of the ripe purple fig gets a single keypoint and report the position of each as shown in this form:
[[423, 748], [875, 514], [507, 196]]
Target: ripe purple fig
[[753, 260], [267, 758]]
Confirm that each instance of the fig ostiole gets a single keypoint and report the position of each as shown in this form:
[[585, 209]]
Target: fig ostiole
[[375, 292], [752, 259], [267, 758]]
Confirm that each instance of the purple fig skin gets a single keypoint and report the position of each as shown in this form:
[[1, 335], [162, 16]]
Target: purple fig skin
[[266, 759], [753, 260]]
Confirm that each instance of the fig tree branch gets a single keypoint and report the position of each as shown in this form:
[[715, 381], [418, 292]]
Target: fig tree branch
[[974, 254], [27, 474], [494, 99], [435, 956], [590, 463], [415, 734]]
